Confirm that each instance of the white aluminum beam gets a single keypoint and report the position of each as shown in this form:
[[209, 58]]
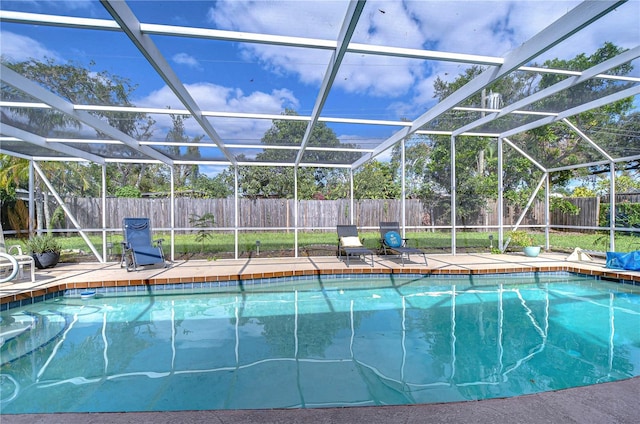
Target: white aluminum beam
[[131, 26], [57, 20], [629, 92], [4, 151], [525, 154], [172, 212], [424, 54], [454, 193], [346, 32], [612, 207], [295, 212], [16, 80], [276, 40], [500, 195], [103, 203], [596, 163], [28, 137], [577, 73], [592, 72], [588, 140], [237, 36]]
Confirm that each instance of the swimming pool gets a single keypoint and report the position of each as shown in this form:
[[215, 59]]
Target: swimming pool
[[319, 343]]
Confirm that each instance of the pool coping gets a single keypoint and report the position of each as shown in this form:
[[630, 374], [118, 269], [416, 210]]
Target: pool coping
[[232, 273]]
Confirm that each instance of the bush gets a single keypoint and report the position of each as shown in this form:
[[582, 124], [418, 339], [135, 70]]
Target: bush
[[41, 244], [128, 191], [627, 215], [521, 238]]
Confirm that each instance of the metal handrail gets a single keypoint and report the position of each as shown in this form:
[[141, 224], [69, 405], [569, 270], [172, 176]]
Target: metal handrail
[[14, 263]]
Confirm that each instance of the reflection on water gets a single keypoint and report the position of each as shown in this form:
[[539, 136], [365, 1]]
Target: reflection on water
[[400, 342]]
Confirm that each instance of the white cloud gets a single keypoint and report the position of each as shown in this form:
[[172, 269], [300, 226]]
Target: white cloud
[[186, 59], [314, 19], [490, 28], [19, 48], [211, 97], [77, 4]]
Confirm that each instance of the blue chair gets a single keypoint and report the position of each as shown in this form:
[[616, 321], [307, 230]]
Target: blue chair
[[138, 249], [392, 242]]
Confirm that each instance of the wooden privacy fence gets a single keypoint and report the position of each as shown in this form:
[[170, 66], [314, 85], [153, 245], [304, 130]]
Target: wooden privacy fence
[[252, 213], [587, 217], [279, 213]]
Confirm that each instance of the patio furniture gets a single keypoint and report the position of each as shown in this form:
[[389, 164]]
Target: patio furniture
[[349, 243], [138, 248], [392, 243], [14, 253]]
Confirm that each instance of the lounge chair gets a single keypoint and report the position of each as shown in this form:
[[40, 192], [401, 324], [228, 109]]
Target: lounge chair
[[391, 242], [15, 252], [349, 243], [137, 248]]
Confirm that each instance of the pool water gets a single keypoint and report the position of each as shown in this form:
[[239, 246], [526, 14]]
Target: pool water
[[319, 343]]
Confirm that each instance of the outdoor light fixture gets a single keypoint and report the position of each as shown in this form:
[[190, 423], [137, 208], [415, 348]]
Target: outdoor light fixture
[[491, 240], [257, 247]]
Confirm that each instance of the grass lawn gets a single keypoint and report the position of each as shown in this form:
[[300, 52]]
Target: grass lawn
[[216, 245]]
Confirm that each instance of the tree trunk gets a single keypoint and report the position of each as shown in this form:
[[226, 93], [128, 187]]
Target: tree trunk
[[47, 210], [39, 211], [140, 175]]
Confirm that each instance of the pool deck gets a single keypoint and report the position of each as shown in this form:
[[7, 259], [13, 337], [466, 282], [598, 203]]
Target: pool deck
[[617, 402], [95, 275]]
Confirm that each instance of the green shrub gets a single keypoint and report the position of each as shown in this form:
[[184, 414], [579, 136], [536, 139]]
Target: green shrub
[[128, 191], [521, 238], [627, 215], [41, 244], [563, 205]]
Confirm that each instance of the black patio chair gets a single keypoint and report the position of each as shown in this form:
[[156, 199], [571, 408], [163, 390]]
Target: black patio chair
[[349, 243], [391, 242]]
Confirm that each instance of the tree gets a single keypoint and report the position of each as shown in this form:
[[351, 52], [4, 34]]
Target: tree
[[274, 181], [624, 184], [557, 144], [582, 191], [83, 85], [374, 180], [418, 151], [217, 187], [184, 175], [551, 145]]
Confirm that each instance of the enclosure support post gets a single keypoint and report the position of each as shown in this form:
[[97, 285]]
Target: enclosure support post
[[612, 206], [235, 210], [547, 208], [32, 203], [403, 205], [295, 211], [500, 197], [453, 195], [103, 176], [172, 213], [351, 203]]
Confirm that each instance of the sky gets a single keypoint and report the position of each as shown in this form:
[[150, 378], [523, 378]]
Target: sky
[[243, 77]]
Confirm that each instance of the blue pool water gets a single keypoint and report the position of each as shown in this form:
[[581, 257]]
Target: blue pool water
[[319, 343]]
